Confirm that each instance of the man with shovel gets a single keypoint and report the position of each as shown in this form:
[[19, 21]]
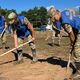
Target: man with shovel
[[69, 22], [22, 28]]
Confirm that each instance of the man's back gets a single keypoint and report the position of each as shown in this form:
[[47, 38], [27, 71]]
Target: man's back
[[1, 23]]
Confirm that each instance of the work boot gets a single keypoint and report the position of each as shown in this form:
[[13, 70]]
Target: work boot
[[19, 56], [16, 56], [34, 56], [34, 59], [76, 76]]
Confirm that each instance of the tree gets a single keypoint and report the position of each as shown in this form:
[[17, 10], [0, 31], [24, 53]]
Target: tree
[[43, 15], [37, 16]]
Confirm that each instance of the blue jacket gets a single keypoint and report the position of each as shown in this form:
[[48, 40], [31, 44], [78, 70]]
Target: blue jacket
[[68, 18], [76, 23], [1, 24], [58, 25], [22, 30]]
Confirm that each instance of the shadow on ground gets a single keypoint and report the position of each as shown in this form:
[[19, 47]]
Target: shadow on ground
[[51, 60]]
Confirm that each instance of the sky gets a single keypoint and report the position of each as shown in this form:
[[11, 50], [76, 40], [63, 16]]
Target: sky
[[21, 5]]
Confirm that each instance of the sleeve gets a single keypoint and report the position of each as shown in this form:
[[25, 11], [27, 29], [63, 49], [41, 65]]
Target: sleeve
[[26, 21]]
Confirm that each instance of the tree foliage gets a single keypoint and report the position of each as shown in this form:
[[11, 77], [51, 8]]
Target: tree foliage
[[37, 16]]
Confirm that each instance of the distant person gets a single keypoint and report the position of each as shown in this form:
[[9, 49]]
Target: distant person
[[62, 17], [22, 28], [55, 28]]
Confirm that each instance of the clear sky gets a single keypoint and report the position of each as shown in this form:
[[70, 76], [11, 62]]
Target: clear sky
[[20, 5]]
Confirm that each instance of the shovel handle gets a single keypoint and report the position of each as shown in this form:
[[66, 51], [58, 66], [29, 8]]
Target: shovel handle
[[16, 48]]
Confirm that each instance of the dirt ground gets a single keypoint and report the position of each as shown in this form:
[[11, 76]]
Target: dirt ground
[[51, 65]]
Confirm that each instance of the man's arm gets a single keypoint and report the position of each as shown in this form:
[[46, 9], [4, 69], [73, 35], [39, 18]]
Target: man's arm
[[68, 29], [15, 35], [5, 25], [72, 37], [30, 26]]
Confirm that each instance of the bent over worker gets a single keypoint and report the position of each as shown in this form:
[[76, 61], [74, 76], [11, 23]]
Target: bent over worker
[[69, 21], [22, 28]]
